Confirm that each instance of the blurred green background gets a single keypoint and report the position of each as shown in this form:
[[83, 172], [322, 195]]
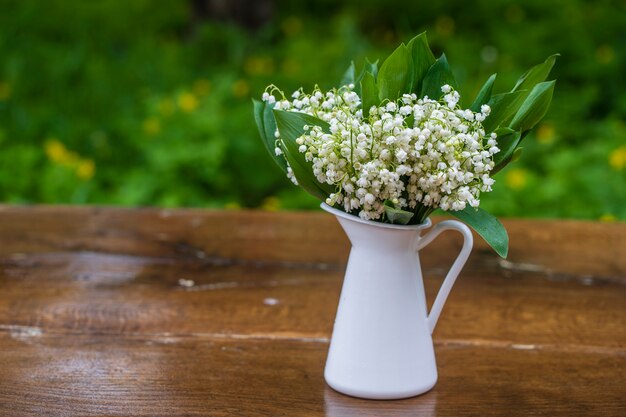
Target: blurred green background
[[148, 103]]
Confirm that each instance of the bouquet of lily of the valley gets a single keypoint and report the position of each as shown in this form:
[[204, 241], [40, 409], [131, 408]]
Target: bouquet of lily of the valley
[[393, 144]]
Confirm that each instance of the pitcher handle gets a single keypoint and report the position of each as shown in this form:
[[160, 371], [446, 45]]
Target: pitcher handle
[[448, 281]]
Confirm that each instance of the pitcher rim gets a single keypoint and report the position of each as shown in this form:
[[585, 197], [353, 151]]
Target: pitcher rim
[[427, 223]]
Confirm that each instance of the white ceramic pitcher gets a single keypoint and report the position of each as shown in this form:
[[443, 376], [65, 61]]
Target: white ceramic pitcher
[[381, 347]]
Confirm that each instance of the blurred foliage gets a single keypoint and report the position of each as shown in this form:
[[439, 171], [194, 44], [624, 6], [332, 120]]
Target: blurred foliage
[[147, 103]]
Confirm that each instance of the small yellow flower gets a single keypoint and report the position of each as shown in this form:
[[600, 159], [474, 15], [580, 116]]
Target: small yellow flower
[[85, 169], [58, 153], [607, 218], [271, 204], [55, 150], [545, 133], [617, 158], [151, 126], [201, 87], [516, 179], [5, 91], [187, 102], [241, 88]]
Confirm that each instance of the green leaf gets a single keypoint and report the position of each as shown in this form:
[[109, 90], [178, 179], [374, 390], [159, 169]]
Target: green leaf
[[536, 74], [534, 107], [423, 59], [438, 75], [369, 94], [502, 106], [394, 77], [507, 144], [487, 226], [267, 126], [532, 77], [397, 216], [291, 124], [369, 67], [291, 127], [501, 131], [484, 94], [349, 75], [305, 177], [517, 154]]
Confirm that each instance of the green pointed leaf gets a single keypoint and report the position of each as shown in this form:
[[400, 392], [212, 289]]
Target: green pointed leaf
[[517, 154], [534, 107], [536, 74], [291, 127], [369, 94], [532, 77], [349, 76], [291, 124], [397, 216], [394, 77], [369, 67], [484, 94], [305, 177], [423, 59], [501, 131], [487, 226], [438, 75], [507, 144], [267, 126], [502, 106]]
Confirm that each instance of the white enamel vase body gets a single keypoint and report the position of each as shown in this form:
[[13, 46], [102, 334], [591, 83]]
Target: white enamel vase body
[[381, 346]]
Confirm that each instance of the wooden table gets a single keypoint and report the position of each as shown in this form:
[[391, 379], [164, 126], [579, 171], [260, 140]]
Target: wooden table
[[118, 312]]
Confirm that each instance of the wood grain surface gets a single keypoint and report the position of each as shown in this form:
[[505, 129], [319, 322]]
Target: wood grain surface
[[147, 312]]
